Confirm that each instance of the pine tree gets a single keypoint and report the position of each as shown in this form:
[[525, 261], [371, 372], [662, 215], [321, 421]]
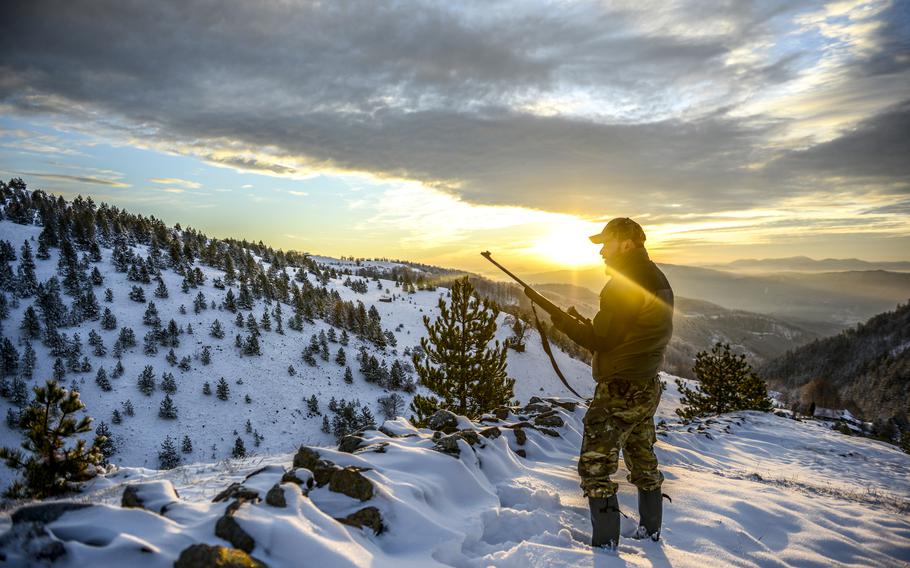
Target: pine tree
[[312, 406], [26, 282], [108, 448], [128, 408], [115, 417], [167, 409], [391, 405], [168, 384], [168, 458], [108, 320], [30, 326], [146, 381], [239, 450], [291, 370], [224, 391], [216, 330], [248, 427], [102, 381], [206, 356], [49, 467], [325, 425], [206, 388], [348, 375], [187, 445], [460, 367], [726, 384], [29, 359], [251, 345]]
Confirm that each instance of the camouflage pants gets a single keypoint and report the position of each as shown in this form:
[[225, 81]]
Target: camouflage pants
[[620, 416]]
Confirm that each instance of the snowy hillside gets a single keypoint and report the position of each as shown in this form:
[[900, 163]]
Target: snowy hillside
[[748, 489], [277, 410]]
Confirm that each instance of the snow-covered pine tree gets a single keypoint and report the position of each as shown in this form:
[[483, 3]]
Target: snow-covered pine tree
[[49, 466], [224, 391], [167, 409], [239, 450], [726, 384], [168, 458], [206, 388], [461, 368], [146, 381], [187, 445]]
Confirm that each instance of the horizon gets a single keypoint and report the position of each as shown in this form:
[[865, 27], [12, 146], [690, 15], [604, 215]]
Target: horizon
[[746, 132]]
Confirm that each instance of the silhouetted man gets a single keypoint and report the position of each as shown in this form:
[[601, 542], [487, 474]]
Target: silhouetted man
[[628, 337]]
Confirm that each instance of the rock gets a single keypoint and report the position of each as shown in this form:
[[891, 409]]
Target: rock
[[350, 443], [551, 420], [448, 445], [502, 412], [366, 517], [535, 400], [349, 481], [45, 512], [537, 407], [323, 471], [492, 432], [237, 491], [387, 431], [469, 436], [306, 457], [154, 496], [207, 556], [228, 529], [520, 436], [521, 452], [568, 405], [379, 448], [443, 421], [275, 497], [548, 432], [293, 476], [29, 543]]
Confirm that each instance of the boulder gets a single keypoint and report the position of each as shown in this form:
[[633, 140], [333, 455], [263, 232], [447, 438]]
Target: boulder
[[208, 556], [305, 482], [502, 412], [45, 512], [443, 421], [553, 420], [275, 497], [237, 491], [568, 405], [154, 496], [349, 481], [366, 517], [350, 443], [548, 431], [521, 452], [520, 436], [228, 529], [491, 433], [448, 445], [306, 457], [323, 470]]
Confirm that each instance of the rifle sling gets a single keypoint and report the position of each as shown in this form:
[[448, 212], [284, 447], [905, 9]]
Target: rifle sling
[[546, 347]]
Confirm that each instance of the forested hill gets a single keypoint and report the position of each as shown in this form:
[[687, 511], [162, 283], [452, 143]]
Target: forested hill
[[865, 368]]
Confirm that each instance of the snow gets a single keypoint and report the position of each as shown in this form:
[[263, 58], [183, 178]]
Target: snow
[[748, 488]]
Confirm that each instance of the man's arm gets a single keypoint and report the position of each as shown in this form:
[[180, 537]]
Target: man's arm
[[610, 326]]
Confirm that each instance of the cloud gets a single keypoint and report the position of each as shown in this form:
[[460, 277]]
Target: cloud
[[586, 108], [177, 181], [77, 179]]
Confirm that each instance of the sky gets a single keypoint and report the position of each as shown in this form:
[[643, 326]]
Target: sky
[[430, 131]]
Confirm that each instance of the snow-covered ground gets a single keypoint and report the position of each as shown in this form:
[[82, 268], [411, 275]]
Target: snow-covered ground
[[748, 489]]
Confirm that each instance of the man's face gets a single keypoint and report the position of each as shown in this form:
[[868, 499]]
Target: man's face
[[613, 249]]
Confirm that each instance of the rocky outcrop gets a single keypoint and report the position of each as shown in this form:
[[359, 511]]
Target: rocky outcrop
[[208, 556]]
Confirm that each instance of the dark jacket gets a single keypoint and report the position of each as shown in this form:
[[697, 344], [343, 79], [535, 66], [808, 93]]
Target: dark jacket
[[629, 334]]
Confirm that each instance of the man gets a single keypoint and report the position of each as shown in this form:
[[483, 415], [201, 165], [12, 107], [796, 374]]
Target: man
[[628, 337]]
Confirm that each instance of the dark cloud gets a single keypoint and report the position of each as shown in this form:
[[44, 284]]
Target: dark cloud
[[429, 91], [878, 147]]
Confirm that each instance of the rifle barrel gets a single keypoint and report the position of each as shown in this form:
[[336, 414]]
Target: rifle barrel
[[486, 254]]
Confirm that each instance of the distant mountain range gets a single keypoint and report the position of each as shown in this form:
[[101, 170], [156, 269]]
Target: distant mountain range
[[802, 299], [806, 264]]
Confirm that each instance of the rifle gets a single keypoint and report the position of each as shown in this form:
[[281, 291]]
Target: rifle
[[549, 307], [536, 297]]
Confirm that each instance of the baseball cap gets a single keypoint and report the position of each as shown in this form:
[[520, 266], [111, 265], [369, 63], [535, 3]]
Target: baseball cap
[[621, 228]]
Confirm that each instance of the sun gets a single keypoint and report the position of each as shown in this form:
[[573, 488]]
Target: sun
[[567, 245]]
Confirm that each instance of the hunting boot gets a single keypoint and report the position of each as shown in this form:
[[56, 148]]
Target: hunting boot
[[650, 513], [604, 521]]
